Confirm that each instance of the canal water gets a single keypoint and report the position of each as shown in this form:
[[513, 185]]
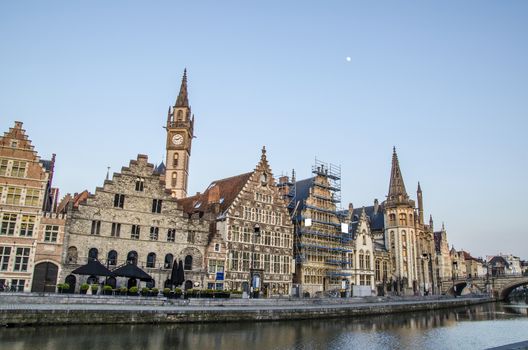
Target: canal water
[[476, 327]]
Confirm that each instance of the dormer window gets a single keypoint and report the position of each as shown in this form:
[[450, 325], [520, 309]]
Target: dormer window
[[14, 143]]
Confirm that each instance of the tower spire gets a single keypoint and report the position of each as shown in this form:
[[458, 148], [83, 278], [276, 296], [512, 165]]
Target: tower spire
[[420, 204], [396, 186], [183, 100]]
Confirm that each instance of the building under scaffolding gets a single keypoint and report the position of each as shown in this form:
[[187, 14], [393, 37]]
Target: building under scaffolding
[[322, 239]]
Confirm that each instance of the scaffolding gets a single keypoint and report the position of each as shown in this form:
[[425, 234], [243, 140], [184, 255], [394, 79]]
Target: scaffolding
[[321, 245]]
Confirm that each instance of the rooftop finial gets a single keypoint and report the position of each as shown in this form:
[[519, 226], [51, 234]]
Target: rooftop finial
[[263, 156], [396, 185], [108, 173]]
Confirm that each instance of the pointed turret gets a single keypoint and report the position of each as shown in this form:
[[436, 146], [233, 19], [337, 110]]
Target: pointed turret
[[420, 204], [431, 222], [397, 190], [183, 100]]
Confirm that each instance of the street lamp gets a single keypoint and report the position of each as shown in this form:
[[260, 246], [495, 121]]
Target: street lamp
[[424, 259]]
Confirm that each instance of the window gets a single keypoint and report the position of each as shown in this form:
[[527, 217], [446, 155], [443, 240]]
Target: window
[[245, 261], [13, 195], [403, 219], [5, 252], [8, 224], [256, 260], [18, 169], [154, 233], [392, 219], [93, 253], [361, 260], [367, 260], [132, 257], [217, 247], [364, 240], [50, 233], [175, 160], [234, 261], [385, 270], [96, 227], [134, 233], [3, 167], [140, 184], [378, 270], [174, 179], [169, 258], [267, 265], [72, 255], [21, 259], [276, 264], [190, 236], [151, 260], [171, 235], [17, 285], [119, 200], [187, 265], [216, 266], [235, 234], [112, 258], [14, 143], [27, 226], [156, 205], [116, 229], [32, 197]]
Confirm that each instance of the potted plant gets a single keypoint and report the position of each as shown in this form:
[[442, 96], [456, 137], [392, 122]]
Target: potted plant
[[166, 292], [123, 290], [144, 291], [177, 293], [107, 290], [189, 293], [154, 292], [84, 288], [133, 291], [235, 294], [95, 288]]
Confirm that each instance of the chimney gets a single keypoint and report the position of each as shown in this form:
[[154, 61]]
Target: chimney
[[214, 195], [350, 211]]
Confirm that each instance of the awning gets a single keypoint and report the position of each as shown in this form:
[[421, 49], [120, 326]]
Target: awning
[[93, 267], [132, 271]]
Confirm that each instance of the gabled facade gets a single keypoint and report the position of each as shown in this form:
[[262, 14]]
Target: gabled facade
[[24, 195], [251, 235], [133, 219]]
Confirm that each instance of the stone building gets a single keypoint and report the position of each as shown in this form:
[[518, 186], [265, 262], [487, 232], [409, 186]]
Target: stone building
[[444, 263], [134, 219], [251, 235], [25, 187]]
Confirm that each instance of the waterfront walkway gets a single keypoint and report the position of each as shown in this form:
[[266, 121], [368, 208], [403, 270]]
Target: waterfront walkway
[[35, 309]]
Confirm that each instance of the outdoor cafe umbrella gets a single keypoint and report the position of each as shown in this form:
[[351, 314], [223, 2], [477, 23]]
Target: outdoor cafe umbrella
[[132, 271], [180, 275], [174, 274], [93, 268]]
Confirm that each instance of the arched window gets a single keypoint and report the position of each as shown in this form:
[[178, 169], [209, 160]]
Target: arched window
[[175, 160], [174, 179], [403, 219], [93, 253], [179, 116], [187, 265], [168, 261], [112, 258], [378, 270], [361, 260], [392, 218], [367, 260], [151, 260], [132, 257], [71, 258], [364, 240]]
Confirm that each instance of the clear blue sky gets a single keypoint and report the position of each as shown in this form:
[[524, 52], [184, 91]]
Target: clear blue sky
[[445, 82]]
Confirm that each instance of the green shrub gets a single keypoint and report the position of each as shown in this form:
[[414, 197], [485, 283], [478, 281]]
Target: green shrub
[[133, 290], [85, 286], [154, 291], [107, 288], [144, 291], [178, 290], [123, 289], [166, 291], [95, 287]]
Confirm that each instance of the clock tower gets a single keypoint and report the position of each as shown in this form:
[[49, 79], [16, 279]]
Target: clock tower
[[180, 124]]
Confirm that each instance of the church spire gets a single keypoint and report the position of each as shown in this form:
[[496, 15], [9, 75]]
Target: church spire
[[183, 100], [397, 190], [420, 204]]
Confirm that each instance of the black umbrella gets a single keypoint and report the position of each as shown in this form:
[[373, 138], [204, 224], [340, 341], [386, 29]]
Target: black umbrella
[[132, 271], [93, 267], [180, 275], [174, 274]]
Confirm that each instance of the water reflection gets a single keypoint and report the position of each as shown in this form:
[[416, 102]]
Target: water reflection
[[475, 327]]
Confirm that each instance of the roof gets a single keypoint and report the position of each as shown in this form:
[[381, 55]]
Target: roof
[[223, 192], [499, 260], [47, 164], [132, 271], [159, 169], [375, 219]]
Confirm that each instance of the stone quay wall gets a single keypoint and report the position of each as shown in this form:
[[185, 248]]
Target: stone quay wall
[[99, 310]]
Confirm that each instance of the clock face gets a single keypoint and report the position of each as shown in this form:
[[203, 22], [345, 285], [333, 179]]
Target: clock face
[[177, 139]]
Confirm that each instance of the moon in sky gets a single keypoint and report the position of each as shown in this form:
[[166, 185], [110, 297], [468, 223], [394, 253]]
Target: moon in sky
[[348, 59]]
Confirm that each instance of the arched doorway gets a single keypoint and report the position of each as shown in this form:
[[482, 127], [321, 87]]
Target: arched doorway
[[111, 281], [71, 280], [132, 282], [188, 285], [45, 277]]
